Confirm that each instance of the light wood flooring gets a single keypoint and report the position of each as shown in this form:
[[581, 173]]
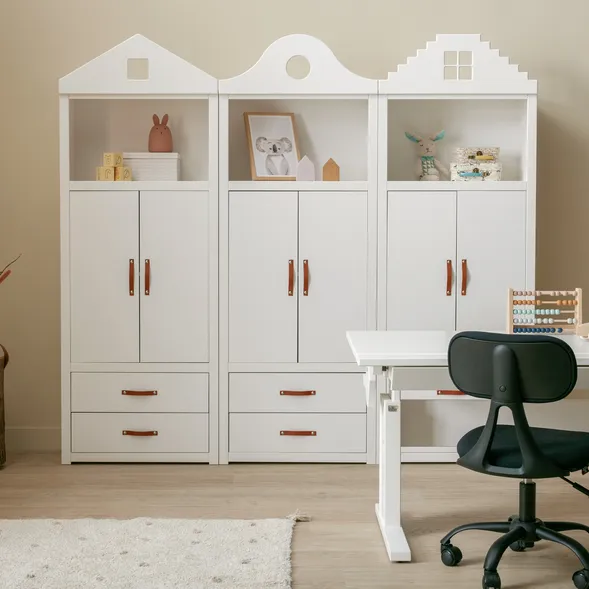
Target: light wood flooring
[[340, 547]]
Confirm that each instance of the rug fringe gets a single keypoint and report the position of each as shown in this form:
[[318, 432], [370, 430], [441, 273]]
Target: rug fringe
[[297, 516]]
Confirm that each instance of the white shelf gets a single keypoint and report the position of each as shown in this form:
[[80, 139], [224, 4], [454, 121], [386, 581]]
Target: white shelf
[[139, 185], [280, 185], [456, 186]]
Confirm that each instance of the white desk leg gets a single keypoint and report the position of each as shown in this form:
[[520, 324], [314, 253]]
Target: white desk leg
[[388, 509]]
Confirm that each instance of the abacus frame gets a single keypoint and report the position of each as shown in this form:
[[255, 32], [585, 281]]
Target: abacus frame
[[573, 300]]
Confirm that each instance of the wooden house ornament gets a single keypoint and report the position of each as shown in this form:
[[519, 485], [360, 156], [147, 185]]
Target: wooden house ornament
[[330, 171]]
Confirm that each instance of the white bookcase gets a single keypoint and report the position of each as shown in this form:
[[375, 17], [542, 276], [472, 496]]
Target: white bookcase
[[449, 251], [245, 367], [139, 300], [289, 387]]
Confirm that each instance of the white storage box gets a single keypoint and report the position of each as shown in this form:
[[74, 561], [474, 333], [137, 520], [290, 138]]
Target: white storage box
[[153, 166], [464, 155], [475, 171]]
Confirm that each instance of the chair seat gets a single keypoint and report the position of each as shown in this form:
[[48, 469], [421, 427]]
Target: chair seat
[[566, 449]]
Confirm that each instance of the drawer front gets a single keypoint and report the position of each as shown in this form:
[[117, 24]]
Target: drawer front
[[296, 392], [292, 432], [140, 392], [103, 432]]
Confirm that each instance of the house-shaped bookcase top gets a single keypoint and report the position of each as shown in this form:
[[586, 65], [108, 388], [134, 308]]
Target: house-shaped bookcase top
[[299, 74], [458, 64], [460, 85], [138, 66], [123, 89]]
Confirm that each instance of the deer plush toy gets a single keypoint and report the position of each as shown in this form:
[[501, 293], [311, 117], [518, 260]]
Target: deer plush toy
[[428, 167], [160, 136]]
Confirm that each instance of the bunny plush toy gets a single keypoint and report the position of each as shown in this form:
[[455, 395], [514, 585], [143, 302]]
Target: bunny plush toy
[[160, 136], [428, 167]]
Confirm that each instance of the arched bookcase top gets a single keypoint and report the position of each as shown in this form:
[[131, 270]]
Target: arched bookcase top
[[326, 75]]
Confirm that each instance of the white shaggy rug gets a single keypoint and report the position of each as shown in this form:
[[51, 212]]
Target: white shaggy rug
[[145, 553]]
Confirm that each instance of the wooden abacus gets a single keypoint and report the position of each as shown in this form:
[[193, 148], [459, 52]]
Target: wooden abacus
[[544, 311]]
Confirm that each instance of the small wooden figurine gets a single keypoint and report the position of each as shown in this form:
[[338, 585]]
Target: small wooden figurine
[[330, 171], [305, 169], [160, 136]]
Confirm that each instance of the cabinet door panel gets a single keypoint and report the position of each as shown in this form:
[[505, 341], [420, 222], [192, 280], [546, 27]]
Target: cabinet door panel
[[421, 240], [262, 240], [333, 235], [491, 238], [175, 244], [104, 236]]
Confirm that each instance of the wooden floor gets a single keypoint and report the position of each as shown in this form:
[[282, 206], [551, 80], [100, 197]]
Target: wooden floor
[[341, 547]]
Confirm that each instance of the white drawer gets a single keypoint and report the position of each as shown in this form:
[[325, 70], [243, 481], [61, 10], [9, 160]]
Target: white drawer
[[103, 432], [140, 392], [318, 432], [296, 392]]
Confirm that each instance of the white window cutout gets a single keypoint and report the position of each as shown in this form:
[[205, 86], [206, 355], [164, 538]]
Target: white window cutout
[[458, 65], [137, 68], [298, 67]]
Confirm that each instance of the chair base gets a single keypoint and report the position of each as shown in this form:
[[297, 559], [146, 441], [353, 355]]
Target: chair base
[[520, 533]]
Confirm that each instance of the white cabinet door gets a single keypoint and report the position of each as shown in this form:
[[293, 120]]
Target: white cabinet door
[[421, 254], [333, 235], [262, 267], [104, 258], [491, 241], [175, 276]]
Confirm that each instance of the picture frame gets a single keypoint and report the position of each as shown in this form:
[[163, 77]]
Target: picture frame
[[273, 145]]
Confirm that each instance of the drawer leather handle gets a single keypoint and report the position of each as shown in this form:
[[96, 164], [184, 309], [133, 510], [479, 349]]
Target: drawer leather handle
[[291, 278], [449, 392], [448, 278], [286, 432], [130, 393], [143, 434], [464, 275], [305, 278], [297, 393], [131, 278], [147, 276]]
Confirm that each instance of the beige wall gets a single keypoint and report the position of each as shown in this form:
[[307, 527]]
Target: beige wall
[[42, 40]]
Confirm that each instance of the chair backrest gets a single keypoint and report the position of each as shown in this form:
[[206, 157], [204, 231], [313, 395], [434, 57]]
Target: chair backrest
[[511, 370]]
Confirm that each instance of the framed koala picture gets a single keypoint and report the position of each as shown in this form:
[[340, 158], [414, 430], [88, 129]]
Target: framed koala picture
[[273, 145]]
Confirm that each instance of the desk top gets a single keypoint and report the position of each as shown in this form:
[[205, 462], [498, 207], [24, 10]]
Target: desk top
[[424, 348]]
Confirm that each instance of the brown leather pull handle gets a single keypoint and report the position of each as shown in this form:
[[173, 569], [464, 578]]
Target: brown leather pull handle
[[449, 392], [448, 278], [286, 432], [290, 278], [147, 277], [305, 278], [297, 393], [130, 432], [132, 278], [130, 393], [464, 276]]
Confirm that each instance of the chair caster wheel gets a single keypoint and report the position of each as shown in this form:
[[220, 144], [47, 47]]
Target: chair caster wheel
[[491, 580], [581, 579], [521, 545], [451, 555]]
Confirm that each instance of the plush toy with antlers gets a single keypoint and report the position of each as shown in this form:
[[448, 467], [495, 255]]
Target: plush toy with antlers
[[428, 167]]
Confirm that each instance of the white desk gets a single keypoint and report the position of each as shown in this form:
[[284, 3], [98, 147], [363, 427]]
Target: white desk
[[411, 360]]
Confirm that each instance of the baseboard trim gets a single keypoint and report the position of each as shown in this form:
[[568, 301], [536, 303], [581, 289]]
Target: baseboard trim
[[33, 439]]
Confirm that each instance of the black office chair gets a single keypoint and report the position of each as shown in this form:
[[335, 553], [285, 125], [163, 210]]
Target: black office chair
[[511, 370]]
